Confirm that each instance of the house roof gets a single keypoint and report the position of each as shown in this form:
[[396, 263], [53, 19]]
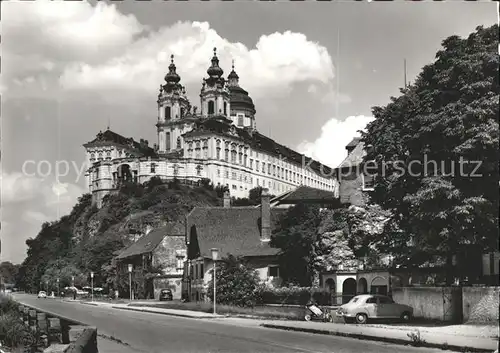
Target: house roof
[[354, 142], [109, 136], [233, 230], [355, 157], [150, 241], [223, 126], [305, 194]]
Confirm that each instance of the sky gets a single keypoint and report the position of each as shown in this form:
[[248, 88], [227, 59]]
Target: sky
[[313, 69]]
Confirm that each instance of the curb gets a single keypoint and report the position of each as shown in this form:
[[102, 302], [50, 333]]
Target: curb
[[87, 303], [398, 341], [80, 302], [169, 314]]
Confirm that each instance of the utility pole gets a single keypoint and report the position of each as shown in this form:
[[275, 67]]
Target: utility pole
[[130, 267], [92, 285]]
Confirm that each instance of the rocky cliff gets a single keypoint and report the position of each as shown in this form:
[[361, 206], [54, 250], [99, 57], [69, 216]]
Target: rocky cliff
[[88, 238]]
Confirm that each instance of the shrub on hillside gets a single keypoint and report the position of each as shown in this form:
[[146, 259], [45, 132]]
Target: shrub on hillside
[[237, 284], [13, 332], [7, 304]]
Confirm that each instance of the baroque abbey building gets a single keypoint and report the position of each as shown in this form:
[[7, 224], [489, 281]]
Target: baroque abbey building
[[219, 141]]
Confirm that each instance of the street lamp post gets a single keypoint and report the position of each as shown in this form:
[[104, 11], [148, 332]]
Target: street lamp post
[[92, 285], [72, 281], [130, 267], [58, 287], [215, 255]]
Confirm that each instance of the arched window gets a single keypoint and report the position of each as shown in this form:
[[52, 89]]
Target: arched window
[[211, 107], [233, 154], [182, 112], [167, 140], [225, 108], [168, 113], [179, 142]]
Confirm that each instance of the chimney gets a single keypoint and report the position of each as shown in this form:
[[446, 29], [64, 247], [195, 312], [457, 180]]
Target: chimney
[[265, 209], [227, 199]]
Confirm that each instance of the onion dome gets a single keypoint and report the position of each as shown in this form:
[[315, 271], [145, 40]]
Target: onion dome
[[240, 99], [172, 76], [233, 77], [215, 70]]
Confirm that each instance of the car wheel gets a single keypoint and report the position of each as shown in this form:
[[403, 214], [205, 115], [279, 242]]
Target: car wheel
[[406, 316], [307, 317], [361, 318]]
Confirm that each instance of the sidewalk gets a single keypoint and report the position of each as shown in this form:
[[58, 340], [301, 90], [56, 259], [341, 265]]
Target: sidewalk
[[453, 337]]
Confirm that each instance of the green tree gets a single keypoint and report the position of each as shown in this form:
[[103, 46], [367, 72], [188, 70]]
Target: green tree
[[420, 140], [64, 271], [237, 283], [8, 271], [297, 236]]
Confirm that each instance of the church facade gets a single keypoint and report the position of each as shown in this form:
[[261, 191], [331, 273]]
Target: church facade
[[219, 141]]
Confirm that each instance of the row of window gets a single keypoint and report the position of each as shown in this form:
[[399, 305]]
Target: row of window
[[197, 271], [100, 156], [168, 113], [168, 143], [289, 172], [275, 171], [211, 108]]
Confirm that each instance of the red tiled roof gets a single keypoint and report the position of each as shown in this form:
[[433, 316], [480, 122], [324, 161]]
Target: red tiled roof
[[233, 230], [151, 240]]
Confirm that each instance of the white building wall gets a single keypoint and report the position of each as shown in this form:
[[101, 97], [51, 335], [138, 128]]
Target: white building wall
[[239, 178]]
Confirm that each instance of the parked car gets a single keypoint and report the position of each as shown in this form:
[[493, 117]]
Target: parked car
[[42, 294], [361, 308], [166, 294]]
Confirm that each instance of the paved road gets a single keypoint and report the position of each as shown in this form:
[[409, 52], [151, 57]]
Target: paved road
[[153, 333]]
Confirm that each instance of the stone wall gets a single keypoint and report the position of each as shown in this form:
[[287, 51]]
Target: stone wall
[[59, 334], [433, 303], [167, 251], [350, 189], [480, 304]]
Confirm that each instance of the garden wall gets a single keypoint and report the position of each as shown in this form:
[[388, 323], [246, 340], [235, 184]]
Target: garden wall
[[60, 334], [433, 303], [480, 304]]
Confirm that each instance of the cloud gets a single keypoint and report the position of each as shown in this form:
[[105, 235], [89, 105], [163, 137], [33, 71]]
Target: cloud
[[77, 46], [17, 187], [329, 148], [277, 62], [70, 59], [28, 202]]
